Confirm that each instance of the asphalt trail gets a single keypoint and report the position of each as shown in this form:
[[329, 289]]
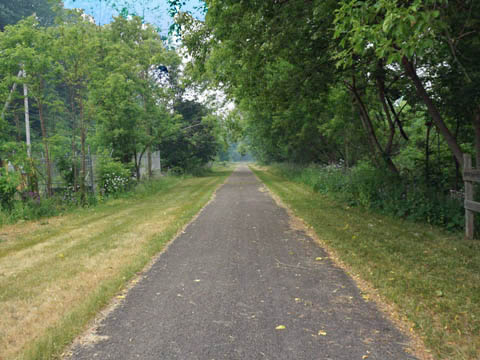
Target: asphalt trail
[[225, 285]]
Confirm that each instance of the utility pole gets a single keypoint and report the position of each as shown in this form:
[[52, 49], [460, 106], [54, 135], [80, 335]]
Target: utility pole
[[27, 115]]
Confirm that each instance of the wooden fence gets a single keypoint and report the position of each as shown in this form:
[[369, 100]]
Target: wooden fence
[[470, 176]]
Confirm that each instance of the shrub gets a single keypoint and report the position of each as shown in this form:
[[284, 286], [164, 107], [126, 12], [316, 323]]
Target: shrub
[[113, 176], [66, 165], [9, 181], [33, 208], [408, 197]]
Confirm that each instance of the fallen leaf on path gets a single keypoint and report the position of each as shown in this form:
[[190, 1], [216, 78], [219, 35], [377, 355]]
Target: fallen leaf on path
[[197, 280], [322, 332], [121, 297], [318, 258], [280, 327]]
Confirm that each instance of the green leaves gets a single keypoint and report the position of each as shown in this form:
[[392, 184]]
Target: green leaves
[[392, 29]]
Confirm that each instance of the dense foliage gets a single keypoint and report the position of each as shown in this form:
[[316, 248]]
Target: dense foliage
[[392, 82], [379, 190], [72, 91]]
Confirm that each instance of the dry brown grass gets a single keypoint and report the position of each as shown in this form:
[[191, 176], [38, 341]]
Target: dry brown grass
[[48, 270]]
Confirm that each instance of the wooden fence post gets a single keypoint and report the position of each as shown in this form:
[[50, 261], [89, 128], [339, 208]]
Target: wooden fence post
[[469, 214]]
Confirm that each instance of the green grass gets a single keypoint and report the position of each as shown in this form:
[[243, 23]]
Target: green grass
[[432, 277], [56, 275]]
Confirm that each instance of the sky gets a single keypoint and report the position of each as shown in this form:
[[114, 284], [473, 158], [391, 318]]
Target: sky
[[154, 11]]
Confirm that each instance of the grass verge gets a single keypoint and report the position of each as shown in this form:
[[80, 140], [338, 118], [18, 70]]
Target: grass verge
[[55, 275], [432, 278]]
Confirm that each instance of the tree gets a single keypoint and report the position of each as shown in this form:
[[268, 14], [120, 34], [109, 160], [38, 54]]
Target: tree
[[417, 35], [194, 143], [260, 54], [12, 12], [130, 99], [27, 47], [75, 46]]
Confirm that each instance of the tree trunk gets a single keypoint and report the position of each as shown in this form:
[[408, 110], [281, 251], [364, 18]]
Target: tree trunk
[[380, 78], [149, 134], [367, 123], [149, 162], [74, 147], [138, 162], [397, 118], [427, 153], [27, 117], [83, 174], [45, 145], [433, 111]]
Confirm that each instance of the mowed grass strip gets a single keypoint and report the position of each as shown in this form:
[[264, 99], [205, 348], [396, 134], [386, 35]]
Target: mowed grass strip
[[55, 277], [431, 277]]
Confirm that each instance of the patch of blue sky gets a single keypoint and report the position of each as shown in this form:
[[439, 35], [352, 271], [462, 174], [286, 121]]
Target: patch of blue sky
[[152, 11]]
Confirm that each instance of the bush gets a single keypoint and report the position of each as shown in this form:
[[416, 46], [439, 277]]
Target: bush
[[113, 176], [408, 197], [35, 208], [9, 181], [176, 170], [66, 165]]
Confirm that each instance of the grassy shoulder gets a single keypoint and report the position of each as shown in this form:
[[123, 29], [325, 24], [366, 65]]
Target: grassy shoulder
[[431, 277], [55, 275]]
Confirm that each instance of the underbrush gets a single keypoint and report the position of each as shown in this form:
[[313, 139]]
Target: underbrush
[[33, 207], [36, 208], [406, 197]]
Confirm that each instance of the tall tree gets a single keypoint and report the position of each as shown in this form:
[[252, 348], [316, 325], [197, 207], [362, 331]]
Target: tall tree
[[419, 36], [76, 51], [12, 12], [130, 96], [28, 47], [263, 52]]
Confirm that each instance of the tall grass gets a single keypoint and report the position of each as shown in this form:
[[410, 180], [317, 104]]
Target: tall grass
[[406, 197]]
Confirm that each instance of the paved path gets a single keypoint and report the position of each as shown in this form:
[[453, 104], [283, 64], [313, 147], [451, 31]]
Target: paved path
[[238, 272]]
